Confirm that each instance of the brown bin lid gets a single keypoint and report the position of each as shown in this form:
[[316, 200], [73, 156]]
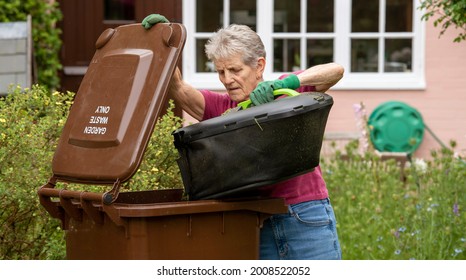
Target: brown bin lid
[[117, 104]]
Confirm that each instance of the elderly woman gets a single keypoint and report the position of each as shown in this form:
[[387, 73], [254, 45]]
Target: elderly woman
[[308, 230]]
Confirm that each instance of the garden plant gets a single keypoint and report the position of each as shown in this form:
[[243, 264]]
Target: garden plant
[[389, 210]]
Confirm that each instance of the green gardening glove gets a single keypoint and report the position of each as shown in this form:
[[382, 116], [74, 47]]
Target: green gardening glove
[[152, 20], [263, 93]]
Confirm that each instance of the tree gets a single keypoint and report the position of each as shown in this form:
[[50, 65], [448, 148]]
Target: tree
[[449, 12]]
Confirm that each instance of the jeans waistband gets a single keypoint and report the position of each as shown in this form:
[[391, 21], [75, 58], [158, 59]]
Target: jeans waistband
[[310, 202]]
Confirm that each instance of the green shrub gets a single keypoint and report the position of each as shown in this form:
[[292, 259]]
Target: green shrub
[[384, 212], [31, 121], [158, 169], [30, 124]]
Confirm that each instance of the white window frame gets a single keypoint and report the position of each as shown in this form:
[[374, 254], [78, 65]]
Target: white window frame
[[414, 80]]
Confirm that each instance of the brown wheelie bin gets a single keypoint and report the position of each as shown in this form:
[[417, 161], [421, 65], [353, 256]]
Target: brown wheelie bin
[[103, 142]]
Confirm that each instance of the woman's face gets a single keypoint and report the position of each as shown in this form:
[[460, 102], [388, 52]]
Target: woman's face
[[238, 78]]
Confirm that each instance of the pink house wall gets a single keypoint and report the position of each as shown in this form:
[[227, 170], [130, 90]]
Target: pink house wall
[[442, 104]]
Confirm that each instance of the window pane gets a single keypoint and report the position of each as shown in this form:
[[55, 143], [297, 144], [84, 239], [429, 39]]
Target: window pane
[[286, 16], [364, 55], [365, 16], [399, 16], [398, 55], [320, 15], [319, 51], [209, 15], [243, 12], [286, 55], [202, 63], [119, 10]]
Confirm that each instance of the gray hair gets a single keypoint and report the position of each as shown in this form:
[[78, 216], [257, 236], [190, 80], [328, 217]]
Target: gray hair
[[235, 39]]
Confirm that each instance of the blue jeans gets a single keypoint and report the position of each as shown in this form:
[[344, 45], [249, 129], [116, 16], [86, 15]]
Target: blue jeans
[[307, 232]]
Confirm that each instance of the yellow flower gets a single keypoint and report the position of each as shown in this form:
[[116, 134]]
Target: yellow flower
[[2, 120]]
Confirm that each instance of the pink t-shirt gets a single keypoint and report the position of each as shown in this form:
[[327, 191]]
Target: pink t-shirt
[[309, 186]]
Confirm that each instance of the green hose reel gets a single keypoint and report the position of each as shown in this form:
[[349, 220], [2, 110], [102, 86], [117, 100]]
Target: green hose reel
[[396, 127]]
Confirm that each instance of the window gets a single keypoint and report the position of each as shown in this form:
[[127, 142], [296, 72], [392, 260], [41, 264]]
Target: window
[[214, 14], [379, 42], [302, 39]]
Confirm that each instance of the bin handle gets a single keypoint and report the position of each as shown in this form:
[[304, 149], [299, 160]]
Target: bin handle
[[45, 193], [278, 92], [67, 204], [167, 33], [57, 209]]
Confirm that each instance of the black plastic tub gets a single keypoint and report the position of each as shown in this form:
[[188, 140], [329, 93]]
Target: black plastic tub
[[234, 154]]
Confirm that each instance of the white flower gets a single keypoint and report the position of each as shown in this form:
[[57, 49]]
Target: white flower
[[418, 164]]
